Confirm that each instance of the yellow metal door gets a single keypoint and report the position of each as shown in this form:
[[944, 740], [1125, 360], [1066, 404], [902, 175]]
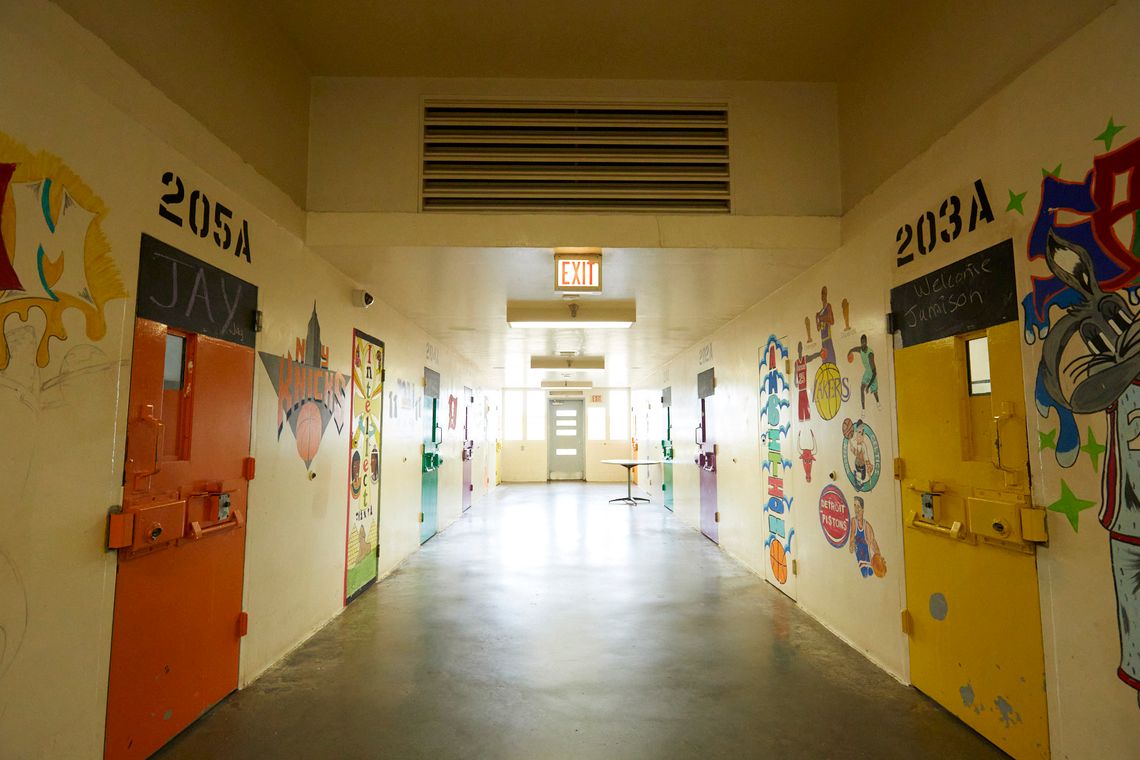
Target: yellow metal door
[[969, 530]]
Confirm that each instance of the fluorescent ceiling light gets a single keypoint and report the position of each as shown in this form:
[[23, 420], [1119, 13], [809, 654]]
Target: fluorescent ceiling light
[[560, 315], [567, 384], [568, 362]]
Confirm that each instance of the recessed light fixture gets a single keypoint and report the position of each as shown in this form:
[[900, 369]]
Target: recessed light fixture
[[567, 384], [557, 315], [567, 362]]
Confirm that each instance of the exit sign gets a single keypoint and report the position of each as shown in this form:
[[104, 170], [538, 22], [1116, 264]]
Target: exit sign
[[578, 272]]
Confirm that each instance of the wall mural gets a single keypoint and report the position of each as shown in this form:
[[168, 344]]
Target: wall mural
[[775, 425], [1088, 233], [829, 388], [54, 255], [363, 532], [309, 394], [861, 457]]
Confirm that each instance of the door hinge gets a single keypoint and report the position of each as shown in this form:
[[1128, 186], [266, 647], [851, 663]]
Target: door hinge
[[892, 323], [248, 468], [1034, 526], [421, 517], [900, 468], [907, 622], [243, 623], [795, 567], [470, 486], [716, 517], [120, 528], [383, 375]]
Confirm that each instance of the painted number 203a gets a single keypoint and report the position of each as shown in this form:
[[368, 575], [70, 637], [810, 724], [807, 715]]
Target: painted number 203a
[[947, 225], [203, 217]]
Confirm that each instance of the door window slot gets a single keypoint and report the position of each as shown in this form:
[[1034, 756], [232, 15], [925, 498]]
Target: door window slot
[[978, 366]]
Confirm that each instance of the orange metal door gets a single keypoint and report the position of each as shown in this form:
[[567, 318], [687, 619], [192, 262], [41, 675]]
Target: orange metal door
[[181, 536]]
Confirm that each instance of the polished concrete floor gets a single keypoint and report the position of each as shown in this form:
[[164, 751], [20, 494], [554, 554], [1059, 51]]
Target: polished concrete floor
[[548, 623]]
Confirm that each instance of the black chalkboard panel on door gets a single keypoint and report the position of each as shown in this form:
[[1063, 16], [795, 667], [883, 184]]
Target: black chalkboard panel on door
[[973, 293], [186, 293]]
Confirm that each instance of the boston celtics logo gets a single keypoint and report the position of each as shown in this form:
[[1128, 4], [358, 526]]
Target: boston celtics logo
[[861, 456]]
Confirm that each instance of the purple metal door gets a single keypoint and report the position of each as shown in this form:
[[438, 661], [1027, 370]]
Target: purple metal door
[[468, 448], [706, 457]]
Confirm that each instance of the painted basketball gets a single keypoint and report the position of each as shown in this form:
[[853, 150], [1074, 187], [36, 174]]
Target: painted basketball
[[779, 561], [308, 431], [848, 428], [879, 565], [828, 390]]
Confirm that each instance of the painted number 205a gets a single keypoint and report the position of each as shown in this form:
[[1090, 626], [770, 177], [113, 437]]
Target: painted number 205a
[[924, 235], [202, 217]]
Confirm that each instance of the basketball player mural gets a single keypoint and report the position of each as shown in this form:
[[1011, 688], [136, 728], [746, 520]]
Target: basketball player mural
[[309, 394], [829, 388], [863, 544], [870, 381], [1090, 357]]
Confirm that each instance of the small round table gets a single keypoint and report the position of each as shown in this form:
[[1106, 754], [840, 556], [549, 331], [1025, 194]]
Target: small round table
[[629, 464]]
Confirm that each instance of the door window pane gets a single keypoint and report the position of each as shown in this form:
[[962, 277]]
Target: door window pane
[[535, 416], [175, 362], [566, 452], [513, 415], [596, 423], [619, 415], [978, 365]]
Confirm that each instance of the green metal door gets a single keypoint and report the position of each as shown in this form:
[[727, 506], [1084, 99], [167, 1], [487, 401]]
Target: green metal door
[[430, 464], [667, 449]]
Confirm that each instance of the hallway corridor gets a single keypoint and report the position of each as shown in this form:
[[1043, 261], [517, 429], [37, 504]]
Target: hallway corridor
[[547, 623]]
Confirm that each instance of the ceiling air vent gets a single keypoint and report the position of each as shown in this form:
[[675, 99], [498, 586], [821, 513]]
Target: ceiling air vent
[[553, 157]]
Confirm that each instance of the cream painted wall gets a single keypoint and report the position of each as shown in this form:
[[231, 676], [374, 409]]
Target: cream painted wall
[[927, 66], [365, 137], [227, 64], [1049, 115], [63, 469]]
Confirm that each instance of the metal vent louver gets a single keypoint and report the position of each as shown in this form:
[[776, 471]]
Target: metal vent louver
[[544, 157]]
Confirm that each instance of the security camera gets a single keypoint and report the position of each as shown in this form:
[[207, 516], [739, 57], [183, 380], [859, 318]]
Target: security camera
[[362, 298]]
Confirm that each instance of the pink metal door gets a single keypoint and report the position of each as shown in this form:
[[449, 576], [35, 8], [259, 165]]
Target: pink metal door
[[468, 448], [706, 456]]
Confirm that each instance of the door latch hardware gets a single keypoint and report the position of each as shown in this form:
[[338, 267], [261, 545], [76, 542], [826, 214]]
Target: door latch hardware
[[120, 529]]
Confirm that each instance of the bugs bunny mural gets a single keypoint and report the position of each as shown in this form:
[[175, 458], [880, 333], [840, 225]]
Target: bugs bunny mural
[[1090, 363]]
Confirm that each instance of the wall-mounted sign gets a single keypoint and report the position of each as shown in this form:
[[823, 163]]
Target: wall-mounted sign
[[970, 294], [578, 272], [179, 290]]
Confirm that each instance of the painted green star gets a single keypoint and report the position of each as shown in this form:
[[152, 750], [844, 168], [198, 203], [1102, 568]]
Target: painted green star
[[1070, 506], [1109, 134], [1052, 172], [1015, 201], [1046, 440], [1093, 449]]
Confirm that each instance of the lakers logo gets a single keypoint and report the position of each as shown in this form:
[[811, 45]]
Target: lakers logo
[[829, 391]]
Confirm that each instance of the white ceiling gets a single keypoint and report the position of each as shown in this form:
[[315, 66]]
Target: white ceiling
[[459, 296], [775, 40]]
